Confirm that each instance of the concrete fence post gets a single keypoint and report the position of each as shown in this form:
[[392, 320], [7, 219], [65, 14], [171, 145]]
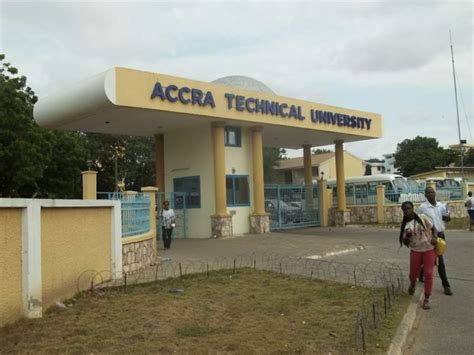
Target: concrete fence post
[[380, 204], [465, 189], [31, 250], [324, 203], [89, 185]]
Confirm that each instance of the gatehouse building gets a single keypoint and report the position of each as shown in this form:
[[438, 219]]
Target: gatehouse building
[[210, 137]]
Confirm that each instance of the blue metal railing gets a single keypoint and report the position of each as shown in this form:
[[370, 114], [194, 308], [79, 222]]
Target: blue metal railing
[[355, 197], [413, 195], [135, 211], [450, 193]]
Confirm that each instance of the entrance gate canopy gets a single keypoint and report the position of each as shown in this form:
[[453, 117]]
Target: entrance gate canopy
[[133, 102]]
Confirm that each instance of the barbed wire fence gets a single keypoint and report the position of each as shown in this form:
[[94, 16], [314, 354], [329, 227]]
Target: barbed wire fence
[[373, 275]]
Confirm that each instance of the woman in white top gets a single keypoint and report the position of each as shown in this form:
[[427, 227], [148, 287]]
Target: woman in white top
[[417, 232]]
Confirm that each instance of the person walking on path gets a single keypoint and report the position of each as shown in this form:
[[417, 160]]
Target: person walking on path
[[418, 233], [439, 214], [168, 222], [469, 204]]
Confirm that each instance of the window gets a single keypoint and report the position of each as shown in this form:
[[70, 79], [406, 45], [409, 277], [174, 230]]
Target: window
[[373, 187], [388, 187], [237, 187], [232, 137], [191, 185]]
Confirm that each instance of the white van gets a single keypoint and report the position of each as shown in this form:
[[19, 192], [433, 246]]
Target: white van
[[448, 188]]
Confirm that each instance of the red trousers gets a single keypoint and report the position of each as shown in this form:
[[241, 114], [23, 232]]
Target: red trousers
[[427, 259]]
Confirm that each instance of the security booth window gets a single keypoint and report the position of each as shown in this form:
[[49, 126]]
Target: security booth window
[[232, 137], [191, 186], [237, 187]]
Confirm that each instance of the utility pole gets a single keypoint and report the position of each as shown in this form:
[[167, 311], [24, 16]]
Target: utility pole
[[461, 142]]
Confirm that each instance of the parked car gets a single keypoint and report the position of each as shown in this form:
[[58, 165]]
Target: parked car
[[302, 204], [296, 204], [288, 213]]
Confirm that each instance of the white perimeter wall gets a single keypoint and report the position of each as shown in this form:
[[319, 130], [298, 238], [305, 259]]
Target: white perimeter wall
[[189, 152]]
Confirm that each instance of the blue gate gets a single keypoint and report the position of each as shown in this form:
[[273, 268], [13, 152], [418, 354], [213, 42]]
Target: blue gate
[[292, 206], [177, 202], [135, 211]]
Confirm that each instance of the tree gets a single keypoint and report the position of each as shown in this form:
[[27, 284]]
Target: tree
[[133, 156], [421, 154], [62, 176], [270, 160], [44, 163], [139, 162], [469, 158], [25, 149], [454, 156], [321, 151], [34, 162]]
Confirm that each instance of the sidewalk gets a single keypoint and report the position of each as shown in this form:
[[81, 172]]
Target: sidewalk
[[447, 328]]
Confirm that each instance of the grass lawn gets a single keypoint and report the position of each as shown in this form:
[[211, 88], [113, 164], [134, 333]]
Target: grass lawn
[[246, 312]]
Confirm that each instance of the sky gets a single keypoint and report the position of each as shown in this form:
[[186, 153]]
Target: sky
[[388, 57]]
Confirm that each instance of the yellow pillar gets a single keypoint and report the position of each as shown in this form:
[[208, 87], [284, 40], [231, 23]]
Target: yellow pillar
[[160, 162], [308, 165], [324, 204], [341, 188], [258, 188], [308, 176], [219, 169], [89, 185], [380, 204]]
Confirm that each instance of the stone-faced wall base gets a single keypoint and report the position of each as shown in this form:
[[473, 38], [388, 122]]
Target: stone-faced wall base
[[221, 226], [137, 256], [341, 218], [365, 214], [259, 224]]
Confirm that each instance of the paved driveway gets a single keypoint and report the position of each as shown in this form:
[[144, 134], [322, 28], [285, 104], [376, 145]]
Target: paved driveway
[[379, 244]]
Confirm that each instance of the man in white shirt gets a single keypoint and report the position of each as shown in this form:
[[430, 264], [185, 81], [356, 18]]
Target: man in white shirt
[[439, 215], [469, 204]]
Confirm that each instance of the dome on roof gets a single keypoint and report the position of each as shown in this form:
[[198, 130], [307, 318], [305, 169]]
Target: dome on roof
[[243, 82]]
